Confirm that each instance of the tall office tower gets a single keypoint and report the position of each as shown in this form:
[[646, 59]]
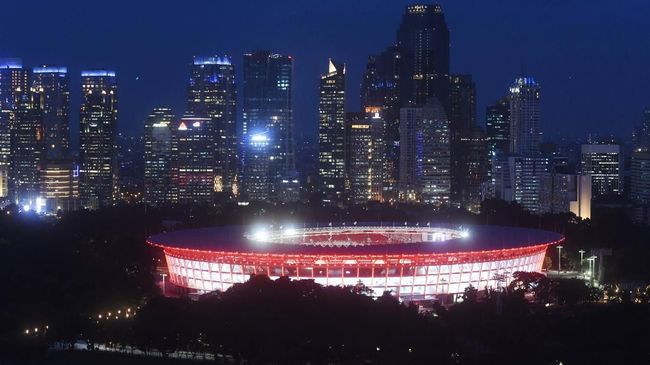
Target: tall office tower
[[425, 154], [641, 137], [497, 130], [193, 161], [158, 157], [52, 83], [98, 183], [14, 90], [258, 158], [380, 87], [410, 160], [331, 134], [475, 165], [27, 150], [520, 179], [525, 134], [366, 156], [640, 178], [423, 43], [604, 162], [462, 123], [212, 93], [497, 127], [14, 86], [6, 117], [268, 111]]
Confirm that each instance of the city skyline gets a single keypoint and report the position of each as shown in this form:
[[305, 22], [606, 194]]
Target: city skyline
[[562, 69]]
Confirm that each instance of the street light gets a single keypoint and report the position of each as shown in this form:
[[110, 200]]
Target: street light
[[559, 259], [163, 283], [582, 254]]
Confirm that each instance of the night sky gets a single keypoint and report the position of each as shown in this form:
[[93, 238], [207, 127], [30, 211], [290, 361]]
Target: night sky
[[591, 57]]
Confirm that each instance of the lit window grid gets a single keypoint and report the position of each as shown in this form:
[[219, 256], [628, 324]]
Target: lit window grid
[[409, 277]]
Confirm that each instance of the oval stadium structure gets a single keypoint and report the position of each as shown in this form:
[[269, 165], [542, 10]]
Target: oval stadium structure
[[415, 262]]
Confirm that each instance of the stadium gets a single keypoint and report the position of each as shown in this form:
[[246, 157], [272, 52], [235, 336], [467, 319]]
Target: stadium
[[414, 262]]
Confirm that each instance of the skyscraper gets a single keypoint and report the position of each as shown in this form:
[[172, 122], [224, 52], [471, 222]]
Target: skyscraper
[[423, 43], [331, 133], [14, 86], [475, 164], [380, 87], [27, 150], [497, 127], [410, 160], [14, 90], [268, 111], [158, 157], [366, 156], [640, 178], [642, 133], [212, 93], [425, 154], [258, 157], [52, 83], [193, 161], [6, 117], [462, 124], [524, 99], [604, 162], [520, 179], [98, 185]]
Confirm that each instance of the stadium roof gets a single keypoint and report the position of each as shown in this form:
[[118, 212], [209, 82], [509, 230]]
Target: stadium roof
[[233, 239]]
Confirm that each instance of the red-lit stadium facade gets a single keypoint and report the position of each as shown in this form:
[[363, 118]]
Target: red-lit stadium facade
[[414, 262]]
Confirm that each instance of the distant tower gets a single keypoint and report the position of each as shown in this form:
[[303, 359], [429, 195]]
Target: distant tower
[[193, 161], [497, 127], [524, 99], [604, 162], [425, 154], [14, 90], [331, 134], [14, 86], [642, 133], [366, 155], [423, 43], [380, 88], [27, 151], [158, 157], [258, 158], [53, 84], [462, 128], [98, 185], [640, 178], [212, 93], [268, 111]]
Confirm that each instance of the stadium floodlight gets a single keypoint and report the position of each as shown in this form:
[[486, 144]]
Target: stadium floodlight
[[290, 231], [261, 234]]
